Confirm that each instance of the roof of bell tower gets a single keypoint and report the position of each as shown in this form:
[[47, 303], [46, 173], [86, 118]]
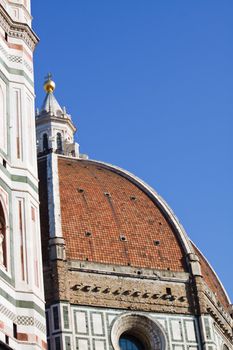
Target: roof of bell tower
[[50, 104]]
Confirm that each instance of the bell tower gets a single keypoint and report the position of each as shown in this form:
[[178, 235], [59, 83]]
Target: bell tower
[[22, 322], [54, 127], [19, 10]]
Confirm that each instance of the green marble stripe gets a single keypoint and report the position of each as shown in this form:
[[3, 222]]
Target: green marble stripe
[[17, 72], [24, 179], [5, 171], [19, 178], [6, 278], [22, 303]]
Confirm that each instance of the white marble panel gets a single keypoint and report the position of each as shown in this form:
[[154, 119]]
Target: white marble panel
[[190, 330], [82, 344], [81, 322], [111, 318], [97, 323], [178, 347], [162, 322], [99, 345], [176, 330]]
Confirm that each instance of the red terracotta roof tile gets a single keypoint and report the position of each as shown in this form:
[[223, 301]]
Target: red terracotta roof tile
[[106, 218]]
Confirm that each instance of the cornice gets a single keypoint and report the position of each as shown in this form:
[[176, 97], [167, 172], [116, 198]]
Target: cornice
[[18, 30], [49, 118]]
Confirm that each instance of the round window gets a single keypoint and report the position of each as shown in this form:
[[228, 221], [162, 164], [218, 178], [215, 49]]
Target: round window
[[133, 331], [130, 342]]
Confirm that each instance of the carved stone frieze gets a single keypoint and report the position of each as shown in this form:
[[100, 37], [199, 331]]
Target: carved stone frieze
[[130, 293], [18, 30]]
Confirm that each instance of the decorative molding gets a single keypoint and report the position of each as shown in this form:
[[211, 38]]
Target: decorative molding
[[124, 292], [22, 320], [18, 30], [211, 296]]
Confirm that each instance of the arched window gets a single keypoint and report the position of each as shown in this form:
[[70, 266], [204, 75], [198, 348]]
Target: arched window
[[59, 142], [132, 331], [3, 260], [45, 142], [130, 342]]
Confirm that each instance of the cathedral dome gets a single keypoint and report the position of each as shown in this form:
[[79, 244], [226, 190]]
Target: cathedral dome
[[109, 216], [113, 218]]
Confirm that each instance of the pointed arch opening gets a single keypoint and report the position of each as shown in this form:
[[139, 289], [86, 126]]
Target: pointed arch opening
[[3, 243], [59, 142], [45, 142]]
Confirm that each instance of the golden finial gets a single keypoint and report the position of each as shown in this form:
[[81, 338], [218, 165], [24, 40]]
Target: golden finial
[[49, 84]]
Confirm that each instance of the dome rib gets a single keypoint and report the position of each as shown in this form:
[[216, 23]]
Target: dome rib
[[188, 245], [209, 275]]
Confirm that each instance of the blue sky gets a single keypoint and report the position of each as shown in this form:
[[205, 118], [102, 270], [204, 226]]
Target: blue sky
[[150, 86]]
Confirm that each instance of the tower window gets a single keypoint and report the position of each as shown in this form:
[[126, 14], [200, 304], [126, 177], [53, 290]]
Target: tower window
[[59, 142], [129, 342], [3, 260], [45, 142], [55, 318], [6, 36], [14, 330]]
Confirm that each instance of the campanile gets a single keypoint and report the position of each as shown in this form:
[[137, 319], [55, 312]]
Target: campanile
[[22, 324]]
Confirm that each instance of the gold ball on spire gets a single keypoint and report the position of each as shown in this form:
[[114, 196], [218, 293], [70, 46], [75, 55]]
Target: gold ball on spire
[[49, 85]]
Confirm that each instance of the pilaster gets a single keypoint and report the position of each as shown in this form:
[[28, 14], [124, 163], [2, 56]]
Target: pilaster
[[56, 241]]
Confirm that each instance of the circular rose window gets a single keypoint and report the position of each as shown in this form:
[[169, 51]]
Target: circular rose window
[[135, 331]]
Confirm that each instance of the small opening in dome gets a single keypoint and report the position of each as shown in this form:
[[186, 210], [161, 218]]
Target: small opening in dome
[[80, 190], [156, 243], [169, 291], [88, 234], [123, 238]]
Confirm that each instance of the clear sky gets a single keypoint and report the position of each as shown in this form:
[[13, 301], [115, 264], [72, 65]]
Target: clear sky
[[149, 83]]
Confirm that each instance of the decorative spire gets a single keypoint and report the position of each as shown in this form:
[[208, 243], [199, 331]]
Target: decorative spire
[[50, 103], [49, 84]]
